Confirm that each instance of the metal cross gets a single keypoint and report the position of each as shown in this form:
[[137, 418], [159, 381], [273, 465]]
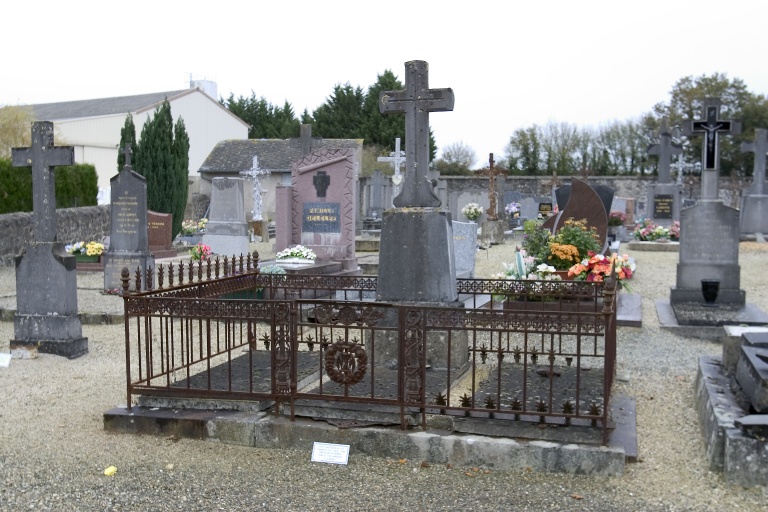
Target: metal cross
[[42, 157], [417, 100], [492, 173], [396, 159], [665, 149], [253, 174]]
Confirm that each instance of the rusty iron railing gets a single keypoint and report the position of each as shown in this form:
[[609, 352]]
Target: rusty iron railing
[[522, 351]]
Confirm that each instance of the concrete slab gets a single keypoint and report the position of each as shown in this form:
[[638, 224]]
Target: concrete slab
[[629, 310], [439, 446], [654, 246]]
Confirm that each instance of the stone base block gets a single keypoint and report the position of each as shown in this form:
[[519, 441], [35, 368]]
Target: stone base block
[[732, 341], [71, 349], [752, 376], [227, 245]]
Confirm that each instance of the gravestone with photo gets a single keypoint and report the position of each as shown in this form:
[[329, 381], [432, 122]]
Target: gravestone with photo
[[226, 232], [318, 209], [665, 196], [465, 248], [128, 238], [159, 234], [754, 204], [46, 318]]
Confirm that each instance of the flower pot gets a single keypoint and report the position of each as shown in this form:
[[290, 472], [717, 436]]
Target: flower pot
[[709, 289], [84, 258]]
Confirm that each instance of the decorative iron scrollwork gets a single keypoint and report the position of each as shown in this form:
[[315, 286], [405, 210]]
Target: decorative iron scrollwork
[[346, 362]]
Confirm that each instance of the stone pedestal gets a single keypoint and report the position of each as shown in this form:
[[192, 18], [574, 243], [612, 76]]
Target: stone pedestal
[[416, 260], [492, 231], [46, 305]]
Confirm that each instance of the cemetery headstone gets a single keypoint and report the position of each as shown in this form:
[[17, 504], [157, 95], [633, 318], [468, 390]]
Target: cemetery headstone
[[159, 234], [529, 208], [128, 238], [711, 127], [754, 204], [377, 189], [318, 209], [46, 317], [416, 261], [465, 248], [226, 231], [665, 197], [604, 193], [584, 202]]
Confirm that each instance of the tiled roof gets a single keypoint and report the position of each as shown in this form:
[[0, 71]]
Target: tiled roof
[[275, 155], [101, 107]]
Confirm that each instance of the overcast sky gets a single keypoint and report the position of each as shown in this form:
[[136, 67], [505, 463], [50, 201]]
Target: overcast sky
[[510, 64]]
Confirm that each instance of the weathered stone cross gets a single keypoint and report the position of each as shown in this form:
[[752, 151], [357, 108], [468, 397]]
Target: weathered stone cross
[[712, 127], [305, 141], [491, 173], [417, 100], [253, 174], [760, 148], [665, 149], [127, 153], [42, 157]]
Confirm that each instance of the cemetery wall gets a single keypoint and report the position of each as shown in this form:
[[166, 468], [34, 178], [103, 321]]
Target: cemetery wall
[[74, 224]]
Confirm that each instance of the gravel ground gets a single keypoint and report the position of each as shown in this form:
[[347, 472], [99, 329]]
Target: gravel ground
[[53, 449]]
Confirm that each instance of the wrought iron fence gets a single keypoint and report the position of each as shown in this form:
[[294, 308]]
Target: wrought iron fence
[[322, 346]]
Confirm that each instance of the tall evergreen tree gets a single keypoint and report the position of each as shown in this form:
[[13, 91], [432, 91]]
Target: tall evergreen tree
[[127, 134], [160, 162]]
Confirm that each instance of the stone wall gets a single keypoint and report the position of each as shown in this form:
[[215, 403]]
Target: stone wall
[[74, 224]]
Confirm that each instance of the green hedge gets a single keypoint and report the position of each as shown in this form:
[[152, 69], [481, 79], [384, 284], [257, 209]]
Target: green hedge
[[76, 185]]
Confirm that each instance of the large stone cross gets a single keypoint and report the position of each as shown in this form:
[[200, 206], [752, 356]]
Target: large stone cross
[[760, 148], [43, 157], [711, 127], [665, 150], [417, 100], [492, 172], [397, 160], [305, 141]]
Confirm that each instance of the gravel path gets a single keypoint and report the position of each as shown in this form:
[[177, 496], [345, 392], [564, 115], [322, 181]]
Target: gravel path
[[53, 449]]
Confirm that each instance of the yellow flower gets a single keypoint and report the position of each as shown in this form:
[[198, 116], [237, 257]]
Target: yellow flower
[[110, 471]]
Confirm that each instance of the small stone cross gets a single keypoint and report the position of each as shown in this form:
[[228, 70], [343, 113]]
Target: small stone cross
[[760, 148], [665, 149], [43, 156], [127, 153], [305, 141], [711, 127], [417, 100], [492, 172]]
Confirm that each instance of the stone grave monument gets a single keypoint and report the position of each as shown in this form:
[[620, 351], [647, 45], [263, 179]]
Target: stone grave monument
[[465, 248], [254, 174], [46, 280], [581, 201], [159, 234], [128, 238], [709, 230], [227, 232], [754, 205], [377, 192], [416, 262], [665, 196], [318, 209], [397, 160]]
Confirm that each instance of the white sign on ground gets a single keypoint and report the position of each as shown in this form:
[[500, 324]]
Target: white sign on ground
[[330, 453]]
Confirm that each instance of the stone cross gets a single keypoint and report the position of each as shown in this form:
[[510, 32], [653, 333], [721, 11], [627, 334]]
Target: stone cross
[[42, 157], [127, 152], [253, 174], [397, 160], [417, 100], [665, 150], [492, 172], [305, 141], [711, 127], [760, 148]]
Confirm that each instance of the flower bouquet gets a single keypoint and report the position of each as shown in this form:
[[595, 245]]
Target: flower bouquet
[[200, 252], [648, 231], [472, 211], [572, 243], [192, 227], [616, 218], [513, 210], [296, 254], [91, 251], [596, 267]]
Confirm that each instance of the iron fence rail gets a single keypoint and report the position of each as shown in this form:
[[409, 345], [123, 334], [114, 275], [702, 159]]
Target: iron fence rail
[[541, 351]]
